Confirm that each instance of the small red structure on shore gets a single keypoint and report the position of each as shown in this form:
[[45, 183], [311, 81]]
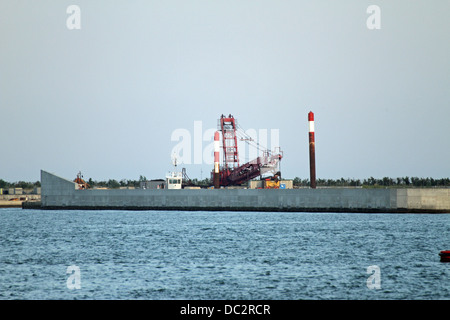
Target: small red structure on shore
[[445, 256]]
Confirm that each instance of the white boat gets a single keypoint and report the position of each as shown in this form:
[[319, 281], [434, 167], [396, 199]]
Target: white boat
[[174, 179]]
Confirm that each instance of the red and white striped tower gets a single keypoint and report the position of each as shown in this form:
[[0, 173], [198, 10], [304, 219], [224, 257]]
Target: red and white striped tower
[[312, 151], [216, 160]]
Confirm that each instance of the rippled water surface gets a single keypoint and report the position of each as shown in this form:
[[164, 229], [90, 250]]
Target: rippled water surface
[[221, 255]]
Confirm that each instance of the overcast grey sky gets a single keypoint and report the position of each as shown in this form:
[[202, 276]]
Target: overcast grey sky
[[106, 98]]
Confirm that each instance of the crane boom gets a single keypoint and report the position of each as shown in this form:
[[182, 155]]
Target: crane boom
[[229, 139], [231, 173]]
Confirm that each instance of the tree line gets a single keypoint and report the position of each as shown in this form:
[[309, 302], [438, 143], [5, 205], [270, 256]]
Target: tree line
[[114, 184], [374, 182], [298, 182], [20, 184]]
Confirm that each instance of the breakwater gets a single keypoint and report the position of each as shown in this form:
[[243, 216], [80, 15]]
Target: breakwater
[[14, 201], [60, 193]]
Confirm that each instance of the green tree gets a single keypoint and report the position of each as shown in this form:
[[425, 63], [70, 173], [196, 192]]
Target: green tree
[[113, 184], [3, 184]]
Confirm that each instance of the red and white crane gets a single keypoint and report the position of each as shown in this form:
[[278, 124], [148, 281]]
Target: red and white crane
[[231, 172]]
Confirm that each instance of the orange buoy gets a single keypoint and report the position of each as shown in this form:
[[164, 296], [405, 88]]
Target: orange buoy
[[445, 256]]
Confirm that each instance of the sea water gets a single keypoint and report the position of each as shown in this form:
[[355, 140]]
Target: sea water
[[222, 255]]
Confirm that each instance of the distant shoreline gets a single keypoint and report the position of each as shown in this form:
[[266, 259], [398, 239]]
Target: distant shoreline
[[16, 201], [10, 204]]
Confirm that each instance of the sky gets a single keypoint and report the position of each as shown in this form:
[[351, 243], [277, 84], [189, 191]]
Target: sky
[[106, 89]]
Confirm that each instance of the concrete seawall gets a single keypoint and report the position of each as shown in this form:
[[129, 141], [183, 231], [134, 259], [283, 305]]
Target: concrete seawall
[[59, 193]]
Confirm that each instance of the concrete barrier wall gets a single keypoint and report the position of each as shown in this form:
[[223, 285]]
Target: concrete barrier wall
[[61, 193], [424, 199]]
